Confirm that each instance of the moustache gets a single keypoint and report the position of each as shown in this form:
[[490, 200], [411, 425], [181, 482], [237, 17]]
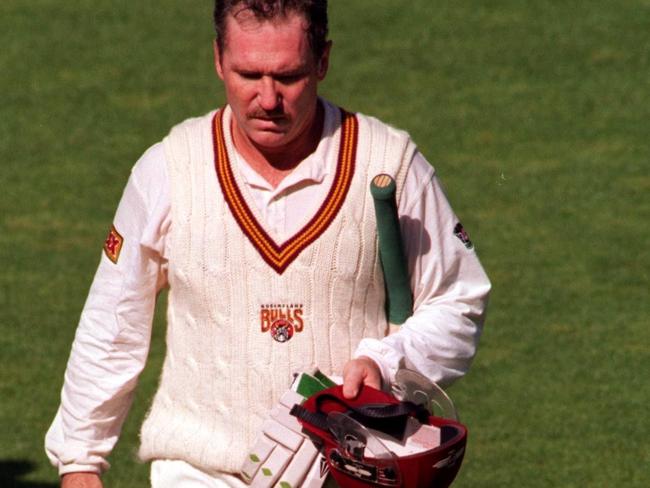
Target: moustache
[[276, 114]]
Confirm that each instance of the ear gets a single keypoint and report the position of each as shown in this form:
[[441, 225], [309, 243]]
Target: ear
[[324, 62], [217, 59]]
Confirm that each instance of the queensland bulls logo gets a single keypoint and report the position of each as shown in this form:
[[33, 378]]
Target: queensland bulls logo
[[282, 330], [281, 321]]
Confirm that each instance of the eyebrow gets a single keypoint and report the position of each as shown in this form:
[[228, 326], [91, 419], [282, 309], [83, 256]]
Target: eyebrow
[[294, 71]]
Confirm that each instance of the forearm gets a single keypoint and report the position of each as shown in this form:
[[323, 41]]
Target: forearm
[[438, 342], [108, 354]]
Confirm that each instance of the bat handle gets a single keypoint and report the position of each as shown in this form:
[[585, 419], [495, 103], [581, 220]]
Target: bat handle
[[399, 298]]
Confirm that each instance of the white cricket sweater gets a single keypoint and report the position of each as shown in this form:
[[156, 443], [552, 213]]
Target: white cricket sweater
[[245, 311]]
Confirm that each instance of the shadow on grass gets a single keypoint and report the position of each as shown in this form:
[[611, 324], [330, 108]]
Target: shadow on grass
[[12, 470]]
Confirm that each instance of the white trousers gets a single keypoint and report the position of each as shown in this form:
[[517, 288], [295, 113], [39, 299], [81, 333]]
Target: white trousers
[[179, 474]]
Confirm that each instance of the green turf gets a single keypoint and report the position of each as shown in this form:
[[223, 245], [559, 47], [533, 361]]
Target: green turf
[[535, 115]]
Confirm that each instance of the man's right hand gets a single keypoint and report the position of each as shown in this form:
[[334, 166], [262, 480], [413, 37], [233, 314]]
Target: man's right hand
[[359, 372], [81, 480]]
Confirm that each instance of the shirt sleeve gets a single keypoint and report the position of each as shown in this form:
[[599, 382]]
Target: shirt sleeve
[[450, 287], [112, 339]]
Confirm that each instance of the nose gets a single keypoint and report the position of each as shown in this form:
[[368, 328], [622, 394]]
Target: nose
[[268, 96]]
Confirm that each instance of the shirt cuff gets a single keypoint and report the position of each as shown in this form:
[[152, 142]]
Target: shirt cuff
[[78, 468], [388, 359]]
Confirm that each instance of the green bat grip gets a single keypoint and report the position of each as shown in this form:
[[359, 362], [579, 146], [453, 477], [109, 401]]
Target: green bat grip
[[399, 299]]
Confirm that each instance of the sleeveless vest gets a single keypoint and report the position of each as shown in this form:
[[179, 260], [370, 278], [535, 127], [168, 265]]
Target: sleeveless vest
[[245, 312]]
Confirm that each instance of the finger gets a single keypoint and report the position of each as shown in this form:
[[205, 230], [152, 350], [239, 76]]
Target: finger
[[353, 378], [373, 379], [371, 372]]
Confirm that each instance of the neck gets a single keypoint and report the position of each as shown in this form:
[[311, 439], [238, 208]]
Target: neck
[[274, 164]]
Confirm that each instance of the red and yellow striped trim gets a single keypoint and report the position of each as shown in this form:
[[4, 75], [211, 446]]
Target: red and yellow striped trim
[[280, 257]]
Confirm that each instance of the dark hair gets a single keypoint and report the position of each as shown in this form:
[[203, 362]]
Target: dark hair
[[314, 12]]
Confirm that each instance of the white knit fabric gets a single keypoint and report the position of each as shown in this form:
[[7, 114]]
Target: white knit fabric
[[221, 372]]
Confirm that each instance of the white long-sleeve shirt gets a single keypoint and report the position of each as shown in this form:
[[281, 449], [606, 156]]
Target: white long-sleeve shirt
[[450, 291]]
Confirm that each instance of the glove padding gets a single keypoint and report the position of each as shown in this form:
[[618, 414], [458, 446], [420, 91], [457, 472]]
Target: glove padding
[[282, 455]]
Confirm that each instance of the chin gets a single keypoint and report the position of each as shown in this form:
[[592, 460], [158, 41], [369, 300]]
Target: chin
[[270, 139]]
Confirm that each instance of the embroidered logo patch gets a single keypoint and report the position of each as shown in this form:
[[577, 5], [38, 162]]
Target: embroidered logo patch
[[459, 232], [281, 321], [113, 244], [282, 330]]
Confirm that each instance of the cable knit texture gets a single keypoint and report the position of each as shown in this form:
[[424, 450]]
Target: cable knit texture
[[222, 373]]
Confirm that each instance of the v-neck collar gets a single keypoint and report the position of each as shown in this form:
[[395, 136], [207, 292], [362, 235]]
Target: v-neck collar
[[280, 256]]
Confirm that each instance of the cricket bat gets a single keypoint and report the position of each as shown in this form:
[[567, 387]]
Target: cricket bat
[[399, 298]]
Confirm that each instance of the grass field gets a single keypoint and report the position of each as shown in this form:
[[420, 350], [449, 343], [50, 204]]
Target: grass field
[[535, 115]]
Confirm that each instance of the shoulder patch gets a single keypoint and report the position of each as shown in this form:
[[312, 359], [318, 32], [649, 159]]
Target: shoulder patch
[[459, 232], [113, 244]]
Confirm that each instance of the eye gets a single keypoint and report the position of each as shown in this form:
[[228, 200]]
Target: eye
[[250, 75], [289, 79]]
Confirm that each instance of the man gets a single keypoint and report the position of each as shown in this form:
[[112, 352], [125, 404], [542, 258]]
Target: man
[[257, 217]]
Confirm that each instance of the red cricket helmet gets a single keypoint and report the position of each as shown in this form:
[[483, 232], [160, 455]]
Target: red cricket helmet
[[376, 439]]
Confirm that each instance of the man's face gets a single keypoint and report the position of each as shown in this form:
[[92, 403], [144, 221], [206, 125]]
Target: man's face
[[270, 75]]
